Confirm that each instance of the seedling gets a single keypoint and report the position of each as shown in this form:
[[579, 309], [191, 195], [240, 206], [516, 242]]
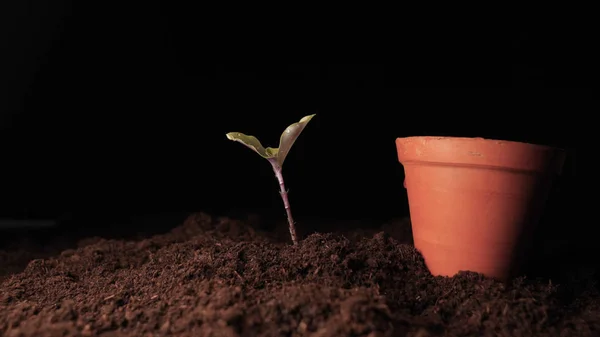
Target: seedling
[[276, 157]]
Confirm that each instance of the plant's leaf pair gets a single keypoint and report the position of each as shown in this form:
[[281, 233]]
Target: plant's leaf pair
[[288, 137]]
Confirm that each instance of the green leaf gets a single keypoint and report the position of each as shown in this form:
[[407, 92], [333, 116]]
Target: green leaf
[[254, 144], [288, 137]]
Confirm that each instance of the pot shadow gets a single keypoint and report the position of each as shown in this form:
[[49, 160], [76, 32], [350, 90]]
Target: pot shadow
[[560, 246]]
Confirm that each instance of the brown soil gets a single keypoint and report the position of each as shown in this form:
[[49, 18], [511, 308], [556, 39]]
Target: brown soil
[[219, 277]]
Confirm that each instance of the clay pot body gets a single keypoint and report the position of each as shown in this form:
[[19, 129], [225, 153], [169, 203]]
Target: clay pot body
[[473, 202]]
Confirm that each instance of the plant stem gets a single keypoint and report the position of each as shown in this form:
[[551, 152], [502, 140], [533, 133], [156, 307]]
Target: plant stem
[[286, 203]]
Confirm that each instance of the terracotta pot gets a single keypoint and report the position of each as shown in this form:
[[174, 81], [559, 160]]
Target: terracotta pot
[[473, 202]]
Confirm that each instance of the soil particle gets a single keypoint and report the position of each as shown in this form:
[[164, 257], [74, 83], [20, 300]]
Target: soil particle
[[219, 277]]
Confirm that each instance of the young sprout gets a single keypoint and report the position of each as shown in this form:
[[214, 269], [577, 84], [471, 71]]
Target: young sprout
[[276, 156]]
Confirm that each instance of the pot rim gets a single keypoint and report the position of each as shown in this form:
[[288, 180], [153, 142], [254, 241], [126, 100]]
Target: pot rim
[[480, 152], [495, 140]]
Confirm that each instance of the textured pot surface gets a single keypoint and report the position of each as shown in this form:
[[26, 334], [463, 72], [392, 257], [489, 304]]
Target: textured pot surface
[[473, 201]]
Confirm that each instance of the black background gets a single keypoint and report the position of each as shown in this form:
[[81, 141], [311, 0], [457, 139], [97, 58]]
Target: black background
[[124, 112]]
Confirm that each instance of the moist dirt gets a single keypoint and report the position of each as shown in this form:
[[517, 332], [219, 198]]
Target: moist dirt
[[221, 277]]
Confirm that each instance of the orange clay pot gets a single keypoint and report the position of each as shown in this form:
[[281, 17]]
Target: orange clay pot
[[473, 202]]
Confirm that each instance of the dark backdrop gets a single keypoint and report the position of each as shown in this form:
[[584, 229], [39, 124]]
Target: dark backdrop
[[117, 112]]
